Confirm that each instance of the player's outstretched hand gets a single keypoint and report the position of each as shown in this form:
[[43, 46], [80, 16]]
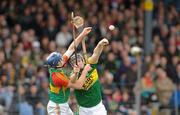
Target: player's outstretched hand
[[86, 30], [104, 42]]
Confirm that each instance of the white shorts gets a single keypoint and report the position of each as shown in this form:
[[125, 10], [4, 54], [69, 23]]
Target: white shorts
[[99, 109], [58, 109]]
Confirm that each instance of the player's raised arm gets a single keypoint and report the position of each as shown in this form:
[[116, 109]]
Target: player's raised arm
[[81, 36], [97, 51]]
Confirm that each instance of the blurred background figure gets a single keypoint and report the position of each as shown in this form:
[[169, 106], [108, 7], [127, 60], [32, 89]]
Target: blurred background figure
[[165, 89]]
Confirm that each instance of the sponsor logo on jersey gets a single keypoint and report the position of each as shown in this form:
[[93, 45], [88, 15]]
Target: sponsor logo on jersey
[[90, 80]]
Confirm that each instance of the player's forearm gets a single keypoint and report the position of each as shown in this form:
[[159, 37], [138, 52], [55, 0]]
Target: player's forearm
[[81, 36], [96, 54], [77, 41], [78, 83], [71, 49], [73, 77], [82, 78]]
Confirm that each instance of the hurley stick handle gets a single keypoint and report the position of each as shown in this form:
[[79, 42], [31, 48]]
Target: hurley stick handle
[[74, 36]]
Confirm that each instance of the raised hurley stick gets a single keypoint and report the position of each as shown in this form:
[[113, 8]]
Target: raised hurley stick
[[77, 22], [74, 36]]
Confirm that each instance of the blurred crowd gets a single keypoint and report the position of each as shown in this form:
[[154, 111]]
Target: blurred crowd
[[31, 29]]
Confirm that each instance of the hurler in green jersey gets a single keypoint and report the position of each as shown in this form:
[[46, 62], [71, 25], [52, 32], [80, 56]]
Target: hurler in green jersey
[[89, 96]]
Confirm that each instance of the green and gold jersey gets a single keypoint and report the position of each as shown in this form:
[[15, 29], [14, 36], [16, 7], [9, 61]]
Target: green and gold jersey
[[90, 94], [58, 81]]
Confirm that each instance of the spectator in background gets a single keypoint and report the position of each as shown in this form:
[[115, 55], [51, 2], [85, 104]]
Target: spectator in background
[[113, 102], [51, 29], [107, 82], [111, 63], [2, 110], [7, 48], [33, 99], [178, 72], [63, 37], [175, 99], [23, 106], [2, 60], [125, 103], [171, 68], [165, 88], [121, 73], [44, 44], [148, 87], [131, 76], [25, 109], [6, 94]]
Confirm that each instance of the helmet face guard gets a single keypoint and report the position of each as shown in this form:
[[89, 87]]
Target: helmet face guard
[[72, 60], [53, 59]]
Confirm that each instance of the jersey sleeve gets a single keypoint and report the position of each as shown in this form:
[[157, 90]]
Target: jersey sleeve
[[91, 61], [67, 55], [65, 58], [59, 79]]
